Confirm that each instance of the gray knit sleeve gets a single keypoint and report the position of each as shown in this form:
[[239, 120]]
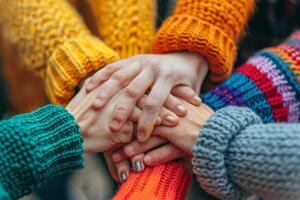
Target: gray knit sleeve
[[236, 155]]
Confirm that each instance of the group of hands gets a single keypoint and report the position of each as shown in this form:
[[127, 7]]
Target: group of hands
[[142, 111]]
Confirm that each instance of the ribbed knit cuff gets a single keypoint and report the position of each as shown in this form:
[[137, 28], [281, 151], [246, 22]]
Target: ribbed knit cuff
[[210, 151], [185, 32], [167, 181], [73, 61], [44, 143], [3, 194]]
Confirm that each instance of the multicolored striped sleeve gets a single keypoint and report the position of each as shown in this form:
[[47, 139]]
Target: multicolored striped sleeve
[[268, 83]]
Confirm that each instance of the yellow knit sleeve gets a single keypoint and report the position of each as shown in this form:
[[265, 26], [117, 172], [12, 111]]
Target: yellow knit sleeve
[[125, 26], [51, 40], [209, 27]]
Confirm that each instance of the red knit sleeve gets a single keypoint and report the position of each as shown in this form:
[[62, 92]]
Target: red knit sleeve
[[168, 181], [209, 27]]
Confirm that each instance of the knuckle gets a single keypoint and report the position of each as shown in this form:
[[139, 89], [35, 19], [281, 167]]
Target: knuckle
[[168, 72], [151, 105], [132, 92], [118, 76], [109, 67]]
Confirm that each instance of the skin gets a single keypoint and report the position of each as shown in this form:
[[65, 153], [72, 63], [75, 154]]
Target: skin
[[166, 143], [178, 74]]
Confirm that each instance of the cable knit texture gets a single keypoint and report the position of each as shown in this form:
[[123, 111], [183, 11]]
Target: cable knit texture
[[236, 153], [125, 26], [36, 146], [168, 181], [268, 83], [52, 29], [209, 27]]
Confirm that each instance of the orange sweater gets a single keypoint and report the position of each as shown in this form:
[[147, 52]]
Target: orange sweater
[[210, 27]]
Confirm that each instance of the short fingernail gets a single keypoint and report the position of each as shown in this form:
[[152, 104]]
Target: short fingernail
[[98, 102], [89, 85], [171, 118], [138, 166], [147, 159], [198, 99], [129, 150], [123, 177], [181, 109]]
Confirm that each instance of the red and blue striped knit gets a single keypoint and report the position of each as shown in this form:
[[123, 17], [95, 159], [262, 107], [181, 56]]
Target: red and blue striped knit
[[268, 83]]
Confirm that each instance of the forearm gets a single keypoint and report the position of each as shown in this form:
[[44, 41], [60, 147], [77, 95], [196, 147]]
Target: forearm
[[210, 28], [236, 155], [36, 146], [267, 84], [52, 41]]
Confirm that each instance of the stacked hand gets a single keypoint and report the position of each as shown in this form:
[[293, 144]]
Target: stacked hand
[[151, 91]]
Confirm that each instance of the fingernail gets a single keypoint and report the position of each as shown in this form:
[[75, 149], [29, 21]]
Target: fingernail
[[114, 124], [89, 85], [138, 166], [123, 177], [181, 109], [147, 159], [198, 99], [171, 118], [129, 150], [98, 102]]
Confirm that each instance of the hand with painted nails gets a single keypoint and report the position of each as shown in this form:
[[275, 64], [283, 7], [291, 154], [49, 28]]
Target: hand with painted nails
[[165, 77], [167, 143]]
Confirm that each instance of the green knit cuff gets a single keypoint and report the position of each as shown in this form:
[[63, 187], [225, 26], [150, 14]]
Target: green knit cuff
[[3, 194], [44, 143]]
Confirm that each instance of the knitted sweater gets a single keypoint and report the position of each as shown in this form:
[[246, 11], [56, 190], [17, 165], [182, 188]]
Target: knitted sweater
[[51, 39], [36, 146], [236, 155], [267, 84]]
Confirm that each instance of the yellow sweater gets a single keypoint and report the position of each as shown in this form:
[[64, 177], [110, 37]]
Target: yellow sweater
[[52, 40]]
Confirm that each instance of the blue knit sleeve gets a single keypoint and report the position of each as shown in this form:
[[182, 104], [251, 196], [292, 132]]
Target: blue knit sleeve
[[36, 146], [236, 155]]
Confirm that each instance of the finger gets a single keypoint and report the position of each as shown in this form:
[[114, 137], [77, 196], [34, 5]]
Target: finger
[[111, 166], [136, 147], [151, 108], [187, 94], [175, 105], [132, 93], [104, 73], [118, 155], [137, 163], [77, 98], [163, 154], [140, 107], [123, 170], [118, 80], [166, 117]]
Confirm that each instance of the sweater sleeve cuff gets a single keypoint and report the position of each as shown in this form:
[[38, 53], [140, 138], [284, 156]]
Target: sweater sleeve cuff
[[169, 181], [185, 32], [210, 149], [47, 143], [73, 61]]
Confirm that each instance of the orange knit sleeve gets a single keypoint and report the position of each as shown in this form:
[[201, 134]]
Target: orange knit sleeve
[[52, 41], [209, 27], [168, 181]]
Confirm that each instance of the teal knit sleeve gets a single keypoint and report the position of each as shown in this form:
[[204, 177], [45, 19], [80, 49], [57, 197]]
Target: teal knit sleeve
[[236, 155], [36, 146]]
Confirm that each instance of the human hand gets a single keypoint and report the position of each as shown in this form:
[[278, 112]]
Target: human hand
[[94, 124], [161, 74], [181, 139]]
